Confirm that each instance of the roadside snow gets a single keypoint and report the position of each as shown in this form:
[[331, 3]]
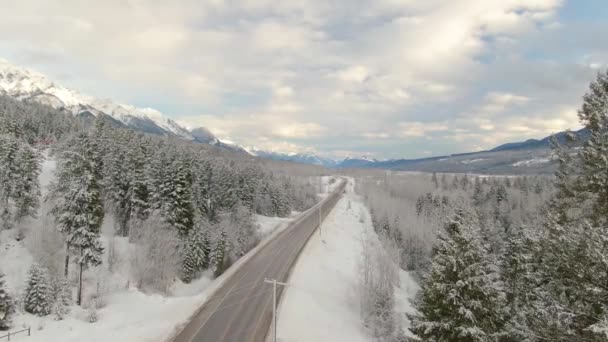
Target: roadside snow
[[129, 314], [267, 224], [322, 303]]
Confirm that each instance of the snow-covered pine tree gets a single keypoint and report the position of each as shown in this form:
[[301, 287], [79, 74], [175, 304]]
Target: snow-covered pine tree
[[207, 248], [9, 168], [241, 219], [139, 158], [78, 206], [219, 253], [7, 307], [38, 297], [27, 186], [176, 197], [194, 255], [116, 182], [565, 202], [461, 297], [594, 153], [280, 204], [572, 297], [62, 298], [519, 278], [247, 189]]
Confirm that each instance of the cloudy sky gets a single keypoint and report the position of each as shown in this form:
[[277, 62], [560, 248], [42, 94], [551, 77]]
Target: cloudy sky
[[387, 78]]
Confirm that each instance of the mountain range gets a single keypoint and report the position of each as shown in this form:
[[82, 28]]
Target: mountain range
[[532, 155], [29, 85]]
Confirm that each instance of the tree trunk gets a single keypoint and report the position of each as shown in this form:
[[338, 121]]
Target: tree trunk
[[79, 298], [67, 259]]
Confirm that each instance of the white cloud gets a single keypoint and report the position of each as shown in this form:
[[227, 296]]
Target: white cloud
[[308, 73], [421, 129]]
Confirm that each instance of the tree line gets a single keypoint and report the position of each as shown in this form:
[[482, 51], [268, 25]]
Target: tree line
[[186, 207], [517, 259]]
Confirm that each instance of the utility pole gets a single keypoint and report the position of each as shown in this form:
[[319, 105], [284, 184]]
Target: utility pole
[[320, 220], [274, 283]]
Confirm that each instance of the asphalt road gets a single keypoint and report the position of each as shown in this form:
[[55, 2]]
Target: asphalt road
[[241, 310]]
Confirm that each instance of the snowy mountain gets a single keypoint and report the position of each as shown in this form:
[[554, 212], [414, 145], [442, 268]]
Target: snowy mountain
[[530, 156], [294, 157], [29, 85]]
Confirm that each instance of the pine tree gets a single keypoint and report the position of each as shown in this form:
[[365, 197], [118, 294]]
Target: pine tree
[[140, 195], [78, 206], [38, 298], [219, 253], [117, 184], [571, 294], [176, 196], [518, 277], [9, 168], [206, 247], [194, 255], [594, 154], [461, 299], [62, 298], [571, 264], [7, 307], [241, 218], [27, 187]]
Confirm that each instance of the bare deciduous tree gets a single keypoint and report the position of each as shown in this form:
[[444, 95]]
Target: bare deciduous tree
[[157, 258]]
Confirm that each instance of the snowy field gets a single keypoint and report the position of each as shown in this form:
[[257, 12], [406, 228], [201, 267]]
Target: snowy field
[[322, 301]]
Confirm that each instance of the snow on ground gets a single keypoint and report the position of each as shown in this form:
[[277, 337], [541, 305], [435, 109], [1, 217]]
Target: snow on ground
[[129, 314], [327, 185], [321, 303], [533, 161], [267, 224]]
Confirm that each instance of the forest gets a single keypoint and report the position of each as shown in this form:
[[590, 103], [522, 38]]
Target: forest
[[185, 208], [500, 258]]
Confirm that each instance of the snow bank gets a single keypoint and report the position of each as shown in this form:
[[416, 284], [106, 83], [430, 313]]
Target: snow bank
[[267, 224], [322, 303]]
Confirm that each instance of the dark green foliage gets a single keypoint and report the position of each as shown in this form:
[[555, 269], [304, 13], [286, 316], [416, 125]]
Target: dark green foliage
[[219, 258], [196, 255], [461, 298], [7, 307], [38, 299]]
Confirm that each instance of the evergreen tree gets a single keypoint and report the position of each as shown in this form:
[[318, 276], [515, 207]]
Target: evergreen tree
[[571, 294], [461, 298], [78, 207], [571, 264], [9, 168], [593, 156], [194, 255], [38, 298], [140, 194], [27, 187], [241, 218], [62, 298], [6, 305], [176, 197], [117, 183], [518, 276], [219, 253]]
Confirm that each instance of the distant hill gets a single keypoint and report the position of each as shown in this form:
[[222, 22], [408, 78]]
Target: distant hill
[[530, 156]]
